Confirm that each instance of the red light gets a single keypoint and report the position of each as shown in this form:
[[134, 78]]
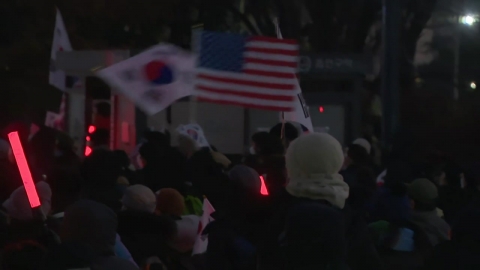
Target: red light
[[88, 138], [91, 129], [263, 189], [321, 109], [88, 151], [25, 173]]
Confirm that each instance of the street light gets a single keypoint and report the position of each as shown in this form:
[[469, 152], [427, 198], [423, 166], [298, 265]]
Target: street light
[[473, 85], [468, 19]]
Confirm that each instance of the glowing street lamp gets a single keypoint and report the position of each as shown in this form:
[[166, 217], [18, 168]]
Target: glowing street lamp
[[473, 85], [468, 20]]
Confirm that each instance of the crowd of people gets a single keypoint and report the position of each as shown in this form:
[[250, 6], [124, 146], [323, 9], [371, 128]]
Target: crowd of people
[[326, 207]]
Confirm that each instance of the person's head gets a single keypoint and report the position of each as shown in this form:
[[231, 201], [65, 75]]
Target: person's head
[[139, 198], [90, 224], [64, 144], [291, 132], [23, 255], [363, 143], [454, 175], [245, 180], [313, 163], [122, 158], [187, 146], [101, 169], [265, 144], [18, 206], [423, 195], [159, 138], [149, 153], [66, 188], [170, 202], [356, 155], [100, 137]]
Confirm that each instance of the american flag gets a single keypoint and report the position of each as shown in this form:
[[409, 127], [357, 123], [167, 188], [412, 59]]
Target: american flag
[[255, 72]]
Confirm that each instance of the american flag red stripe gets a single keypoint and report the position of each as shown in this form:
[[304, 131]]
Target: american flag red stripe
[[246, 94], [266, 79]]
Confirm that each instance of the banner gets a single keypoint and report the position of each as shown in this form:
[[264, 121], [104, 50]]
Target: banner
[[201, 243], [195, 132], [155, 78]]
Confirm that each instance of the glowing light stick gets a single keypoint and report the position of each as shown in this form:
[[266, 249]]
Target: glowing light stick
[[22, 165], [263, 189]]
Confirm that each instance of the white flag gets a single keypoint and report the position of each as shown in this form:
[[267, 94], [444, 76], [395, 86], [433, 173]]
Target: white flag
[[61, 42], [155, 78], [301, 114], [201, 243]]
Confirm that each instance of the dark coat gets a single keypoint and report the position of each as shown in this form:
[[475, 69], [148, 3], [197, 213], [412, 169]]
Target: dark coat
[[361, 252]]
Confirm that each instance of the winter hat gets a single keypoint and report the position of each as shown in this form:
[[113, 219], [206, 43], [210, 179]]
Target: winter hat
[[423, 191], [170, 202], [92, 224], [313, 162], [245, 177], [18, 206], [139, 198], [363, 143]]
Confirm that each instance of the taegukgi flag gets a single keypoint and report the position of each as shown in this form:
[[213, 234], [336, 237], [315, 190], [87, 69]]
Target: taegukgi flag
[[201, 243], [61, 42], [155, 78], [301, 113]]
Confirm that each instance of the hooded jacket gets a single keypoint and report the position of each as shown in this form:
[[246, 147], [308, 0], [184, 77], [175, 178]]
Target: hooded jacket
[[88, 233]]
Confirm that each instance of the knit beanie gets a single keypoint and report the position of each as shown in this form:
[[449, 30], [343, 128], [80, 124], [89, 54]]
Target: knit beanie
[[313, 162], [170, 202], [139, 198]]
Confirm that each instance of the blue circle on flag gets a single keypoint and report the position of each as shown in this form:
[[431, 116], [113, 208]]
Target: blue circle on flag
[[158, 73]]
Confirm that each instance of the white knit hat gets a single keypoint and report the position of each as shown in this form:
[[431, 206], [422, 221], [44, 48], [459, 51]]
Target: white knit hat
[[363, 143], [139, 198], [18, 206], [313, 162]]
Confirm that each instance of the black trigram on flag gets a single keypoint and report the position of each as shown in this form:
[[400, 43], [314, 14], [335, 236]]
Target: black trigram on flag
[[304, 105]]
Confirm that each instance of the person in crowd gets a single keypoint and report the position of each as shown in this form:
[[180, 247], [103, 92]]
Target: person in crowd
[[236, 232], [144, 234], [64, 152], [424, 194], [100, 172], [66, 188], [401, 244], [290, 132], [313, 163], [205, 170], [127, 170], [315, 238], [88, 234], [22, 255], [156, 173], [100, 139], [268, 160], [356, 158], [171, 203], [460, 253], [10, 176], [451, 193], [362, 193], [26, 224]]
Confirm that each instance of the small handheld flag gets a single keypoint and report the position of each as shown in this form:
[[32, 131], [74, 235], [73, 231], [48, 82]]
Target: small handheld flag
[[25, 173]]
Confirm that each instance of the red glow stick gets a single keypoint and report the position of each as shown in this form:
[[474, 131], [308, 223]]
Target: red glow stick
[[88, 151], [263, 189], [22, 165]]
